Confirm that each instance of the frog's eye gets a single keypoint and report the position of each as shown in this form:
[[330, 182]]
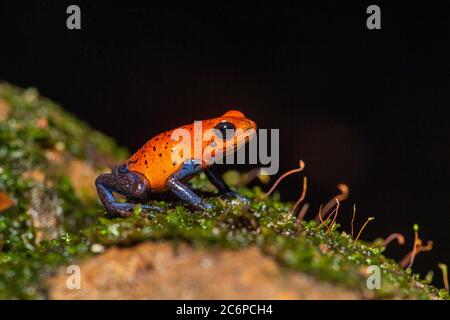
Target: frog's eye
[[223, 127]]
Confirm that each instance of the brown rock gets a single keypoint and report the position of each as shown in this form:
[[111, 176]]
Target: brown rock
[[82, 176], [45, 207], [5, 110], [81, 173], [160, 271]]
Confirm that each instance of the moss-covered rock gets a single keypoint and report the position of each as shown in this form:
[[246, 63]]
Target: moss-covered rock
[[48, 162]]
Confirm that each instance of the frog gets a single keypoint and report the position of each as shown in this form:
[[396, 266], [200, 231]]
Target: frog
[[153, 168]]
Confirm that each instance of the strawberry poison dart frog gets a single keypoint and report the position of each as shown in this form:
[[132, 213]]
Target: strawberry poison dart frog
[[153, 168]]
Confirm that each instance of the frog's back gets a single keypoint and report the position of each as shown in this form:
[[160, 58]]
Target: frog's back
[[153, 160]]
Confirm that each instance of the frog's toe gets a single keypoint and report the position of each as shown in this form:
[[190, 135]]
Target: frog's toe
[[149, 207], [206, 206]]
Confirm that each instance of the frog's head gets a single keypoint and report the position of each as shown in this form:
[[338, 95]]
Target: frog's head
[[233, 129], [219, 136]]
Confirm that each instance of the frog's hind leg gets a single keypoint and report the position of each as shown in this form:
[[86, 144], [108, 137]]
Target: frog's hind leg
[[181, 190], [217, 181], [132, 185], [224, 189]]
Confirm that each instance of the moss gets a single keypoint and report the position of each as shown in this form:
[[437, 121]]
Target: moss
[[37, 125], [331, 256], [34, 126]]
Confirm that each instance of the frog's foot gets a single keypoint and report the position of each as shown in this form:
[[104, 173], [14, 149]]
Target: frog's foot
[[230, 194], [132, 185], [181, 190]]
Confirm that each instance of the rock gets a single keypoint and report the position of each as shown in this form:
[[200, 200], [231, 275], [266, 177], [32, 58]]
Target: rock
[[5, 110], [45, 208], [163, 271], [82, 175]]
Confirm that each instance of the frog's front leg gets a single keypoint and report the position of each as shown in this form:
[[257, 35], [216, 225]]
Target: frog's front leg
[[132, 185], [181, 190], [224, 189]]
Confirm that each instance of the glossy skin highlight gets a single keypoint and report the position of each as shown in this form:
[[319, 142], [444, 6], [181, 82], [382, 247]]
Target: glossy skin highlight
[[153, 168]]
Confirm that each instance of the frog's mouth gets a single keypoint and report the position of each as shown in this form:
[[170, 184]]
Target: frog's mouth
[[239, 141]]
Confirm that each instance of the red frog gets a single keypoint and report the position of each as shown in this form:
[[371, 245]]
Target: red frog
[[153, 168]]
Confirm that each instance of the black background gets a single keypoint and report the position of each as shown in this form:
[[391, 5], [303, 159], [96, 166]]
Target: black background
[[369, 108]]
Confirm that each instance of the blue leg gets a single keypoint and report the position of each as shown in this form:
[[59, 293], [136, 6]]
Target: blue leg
[[129, 184], [224, 189], [181, 190]]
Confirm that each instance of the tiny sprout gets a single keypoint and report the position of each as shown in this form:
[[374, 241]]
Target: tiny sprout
[[302, 197], [320, 217], [400, 239], [286, 174], [324, 222], [416, 244], [353, 217], [343, 188], [301, 214], [336, 211], [408, 260], [364, 225], [443, 267], [429, 277]]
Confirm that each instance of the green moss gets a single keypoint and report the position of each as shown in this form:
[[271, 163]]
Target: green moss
[[24, 264], [331, 256], [35, 125]]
